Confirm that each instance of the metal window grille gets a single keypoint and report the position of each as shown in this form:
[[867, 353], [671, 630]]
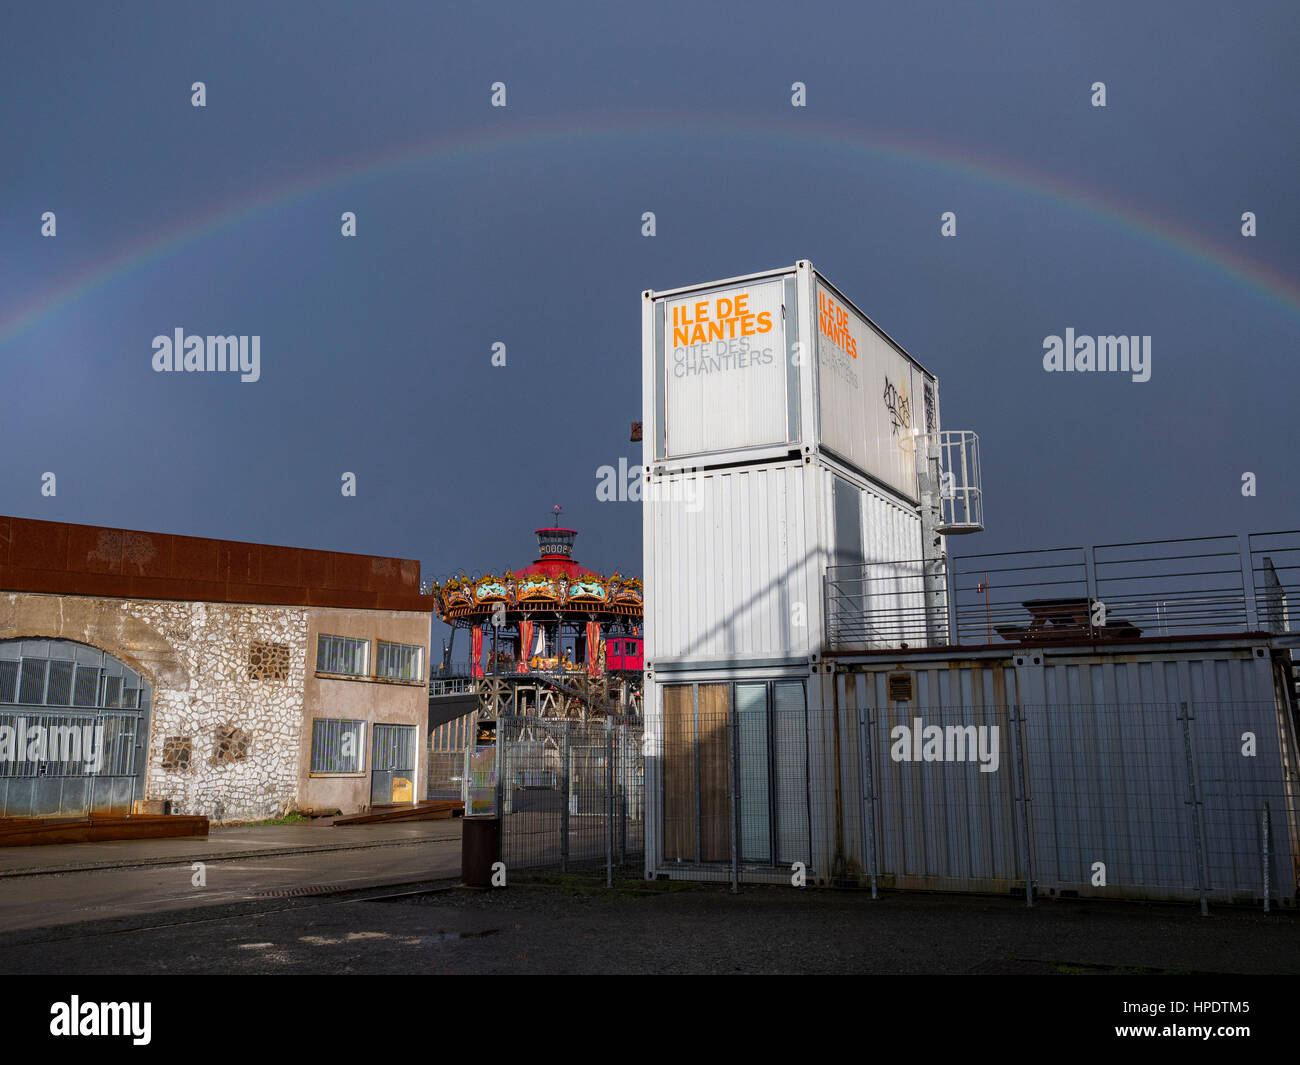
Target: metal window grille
[[60, 688], [31, 687], [85, 690], [399, 661], [337, 745], [342, 654]]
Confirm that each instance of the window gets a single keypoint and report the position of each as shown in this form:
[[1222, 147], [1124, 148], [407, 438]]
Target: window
[[337, 745], [342, 654], [399, 661]]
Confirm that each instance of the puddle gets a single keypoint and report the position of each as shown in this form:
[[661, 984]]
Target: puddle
[[443, 937]]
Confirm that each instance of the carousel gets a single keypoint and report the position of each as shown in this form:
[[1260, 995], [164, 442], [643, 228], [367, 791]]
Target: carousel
[[552, 639]]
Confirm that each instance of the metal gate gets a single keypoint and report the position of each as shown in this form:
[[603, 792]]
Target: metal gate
[[392, 765], [74, 729]]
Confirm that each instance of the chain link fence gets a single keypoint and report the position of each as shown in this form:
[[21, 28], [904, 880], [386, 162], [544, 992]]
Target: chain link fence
[[1149, 799], [571, 794]]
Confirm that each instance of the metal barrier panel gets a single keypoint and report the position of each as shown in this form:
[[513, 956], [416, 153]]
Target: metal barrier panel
[[944, 797], [1191, 801], [572, 793]]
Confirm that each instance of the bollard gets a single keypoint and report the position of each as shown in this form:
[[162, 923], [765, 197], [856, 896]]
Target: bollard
[[480, 847]]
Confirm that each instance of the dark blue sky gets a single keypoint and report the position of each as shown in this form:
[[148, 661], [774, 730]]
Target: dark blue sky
[[522, 226]]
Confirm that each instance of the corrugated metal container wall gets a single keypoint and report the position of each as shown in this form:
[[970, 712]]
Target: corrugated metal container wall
[[1114, 727], [730, 565], [866, 526], [925, 826], [1109, 762]]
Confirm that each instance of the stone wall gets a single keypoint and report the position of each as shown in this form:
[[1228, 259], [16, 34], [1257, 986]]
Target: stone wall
[[226, 726], [242, 720]]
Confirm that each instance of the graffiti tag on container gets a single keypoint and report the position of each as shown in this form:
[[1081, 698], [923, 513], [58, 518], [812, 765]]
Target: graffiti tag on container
[[899, 407]]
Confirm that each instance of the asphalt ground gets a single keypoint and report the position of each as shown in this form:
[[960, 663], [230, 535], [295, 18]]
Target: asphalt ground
[[566, 925]]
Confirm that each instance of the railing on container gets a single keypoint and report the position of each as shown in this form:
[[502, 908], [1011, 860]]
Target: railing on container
[[1275, 577], [1141, 589]]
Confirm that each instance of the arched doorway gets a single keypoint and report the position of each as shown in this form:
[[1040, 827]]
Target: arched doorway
[[74, 730]]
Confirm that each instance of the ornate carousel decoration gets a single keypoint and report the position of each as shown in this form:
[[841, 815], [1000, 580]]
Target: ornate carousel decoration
[[555, 630]]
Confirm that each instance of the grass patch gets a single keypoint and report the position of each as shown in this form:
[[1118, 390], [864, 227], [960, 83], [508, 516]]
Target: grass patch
[[293, 817]]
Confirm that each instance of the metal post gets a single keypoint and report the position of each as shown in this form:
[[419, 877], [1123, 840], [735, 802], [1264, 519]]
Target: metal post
[[566, 785], [620, 782], [500, 804], [1195, 804], [1090, 578], [866, 727], [1266, 851], [1021, 798], [950, 584], [928, 463], [735, 798], [609, 802]]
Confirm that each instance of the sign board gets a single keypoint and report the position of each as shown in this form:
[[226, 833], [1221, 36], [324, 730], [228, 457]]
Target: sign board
[[870, 396], [724, 369]]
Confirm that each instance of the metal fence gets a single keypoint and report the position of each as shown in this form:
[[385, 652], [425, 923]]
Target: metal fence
[[1142, 589], [571, 793], [1146, 800]]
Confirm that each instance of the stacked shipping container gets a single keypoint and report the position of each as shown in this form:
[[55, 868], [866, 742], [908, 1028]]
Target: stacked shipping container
[[783, 428]]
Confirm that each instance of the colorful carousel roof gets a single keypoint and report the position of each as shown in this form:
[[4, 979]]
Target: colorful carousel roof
[[553, 583]]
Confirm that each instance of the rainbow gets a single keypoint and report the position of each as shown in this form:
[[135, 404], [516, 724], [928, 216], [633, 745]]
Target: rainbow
[[845, 140]]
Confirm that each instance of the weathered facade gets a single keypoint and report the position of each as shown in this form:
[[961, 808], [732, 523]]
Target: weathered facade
[[272, 678]]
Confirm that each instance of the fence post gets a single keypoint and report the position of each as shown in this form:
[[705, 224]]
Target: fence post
[[1185, 716], [609, 801], [566, 785], [1266, 851], [1090, 579], [620, 782], [866, 727], [735, 798], [950, 579], [1020, 799]]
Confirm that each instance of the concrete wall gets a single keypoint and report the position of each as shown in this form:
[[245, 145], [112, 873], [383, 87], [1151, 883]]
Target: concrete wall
[[366, 699]]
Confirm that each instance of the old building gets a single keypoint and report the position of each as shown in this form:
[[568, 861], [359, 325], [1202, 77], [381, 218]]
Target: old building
[[227, 679]]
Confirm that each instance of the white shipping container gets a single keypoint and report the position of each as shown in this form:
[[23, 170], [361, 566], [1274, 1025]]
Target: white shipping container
[[732, 566], [758, 366], [735, 558]]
